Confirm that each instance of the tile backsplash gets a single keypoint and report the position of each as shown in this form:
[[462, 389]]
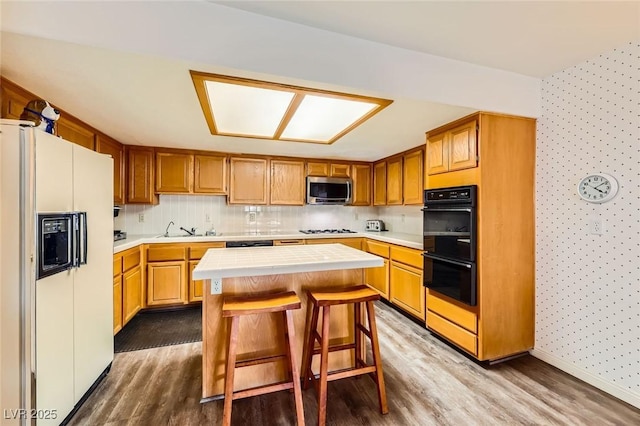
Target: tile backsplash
[[206, 212]]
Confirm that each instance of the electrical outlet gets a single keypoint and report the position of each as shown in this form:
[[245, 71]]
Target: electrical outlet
[[252, 217], [355, 216], [402, 218], [207, 218], [216, 286], [596, 226], [141, 217]]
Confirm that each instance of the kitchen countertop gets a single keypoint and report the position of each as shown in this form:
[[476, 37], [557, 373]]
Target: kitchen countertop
[[256, 261], [407, 240]]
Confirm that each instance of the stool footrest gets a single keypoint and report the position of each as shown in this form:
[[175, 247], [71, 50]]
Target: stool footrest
[[364, 330], [336, 348], [261, 390], [258, 361]]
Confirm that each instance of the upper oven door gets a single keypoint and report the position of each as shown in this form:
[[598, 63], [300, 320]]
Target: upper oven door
[[56, 234], [450, 232]]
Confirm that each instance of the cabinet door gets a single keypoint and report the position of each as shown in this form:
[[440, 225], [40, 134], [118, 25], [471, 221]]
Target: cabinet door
[[340, 170], [76, 132], [317, 169], [117, 304], [437, 154], [106, 145], [394, 181], [378, 279], [210, 174], [140, 175], [380, 184], [174, 173], [131, 293], [287, 183], [249, 181], [406, 290], [413, 178], [166, 283], [462, 147], [361, 185], [13, 102], [195, 286]]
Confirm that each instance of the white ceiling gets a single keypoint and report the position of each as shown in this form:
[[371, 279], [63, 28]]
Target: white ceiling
[[123, 67], [535, 38]]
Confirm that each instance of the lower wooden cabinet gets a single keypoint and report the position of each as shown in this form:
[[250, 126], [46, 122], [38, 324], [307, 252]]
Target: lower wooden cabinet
[[195, 286], [131, 293], [378, 279], [117, 304], [406, 289], [166, 283]]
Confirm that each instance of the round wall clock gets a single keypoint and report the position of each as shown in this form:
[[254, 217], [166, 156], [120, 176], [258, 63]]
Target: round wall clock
[[598, 188]]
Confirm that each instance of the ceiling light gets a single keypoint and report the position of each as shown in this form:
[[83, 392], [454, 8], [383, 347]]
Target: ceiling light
[[235, 106]]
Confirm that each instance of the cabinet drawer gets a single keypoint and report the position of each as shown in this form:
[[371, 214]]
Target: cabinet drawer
[[453, 313], [407, 256], [130, 260], [378, 249], [117, 265], [452, 332], [198, 252], [161, 254], [288, 242]]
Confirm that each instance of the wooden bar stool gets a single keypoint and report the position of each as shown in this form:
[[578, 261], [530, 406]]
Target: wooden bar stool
[[350, 295], [237, 306]]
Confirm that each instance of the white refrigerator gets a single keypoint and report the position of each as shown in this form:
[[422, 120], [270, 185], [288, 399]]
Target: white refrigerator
[[56, 329]]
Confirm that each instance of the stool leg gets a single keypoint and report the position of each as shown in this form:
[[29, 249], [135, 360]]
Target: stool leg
[[357, 354], [287, 343], [309, 343], [293, 366], [229, 372], [377, 360], [324, 368]]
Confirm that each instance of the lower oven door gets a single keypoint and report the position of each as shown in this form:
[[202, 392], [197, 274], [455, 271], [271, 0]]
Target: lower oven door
[[453, 278]]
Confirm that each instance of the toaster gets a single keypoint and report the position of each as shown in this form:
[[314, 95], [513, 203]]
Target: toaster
[[375, 225]]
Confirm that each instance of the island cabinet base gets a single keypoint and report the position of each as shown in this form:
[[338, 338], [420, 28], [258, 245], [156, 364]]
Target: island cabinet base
[[263, 335]]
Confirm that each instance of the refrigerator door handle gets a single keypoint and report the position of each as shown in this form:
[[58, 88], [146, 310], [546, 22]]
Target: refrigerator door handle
[[82, 232]]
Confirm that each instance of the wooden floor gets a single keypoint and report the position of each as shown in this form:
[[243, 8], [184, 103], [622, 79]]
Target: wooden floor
[[428, 383]]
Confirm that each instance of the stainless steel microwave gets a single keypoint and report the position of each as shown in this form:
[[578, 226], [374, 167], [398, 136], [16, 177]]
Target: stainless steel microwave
[[328, 190]]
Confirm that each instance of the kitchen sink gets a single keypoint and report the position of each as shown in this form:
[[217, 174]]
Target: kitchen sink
[[188, 236]]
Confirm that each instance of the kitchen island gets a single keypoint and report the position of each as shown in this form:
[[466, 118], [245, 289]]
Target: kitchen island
[[255, 270]]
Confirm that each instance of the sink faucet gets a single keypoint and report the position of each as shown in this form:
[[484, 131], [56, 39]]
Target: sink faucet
[[166, 232], [192, 232]]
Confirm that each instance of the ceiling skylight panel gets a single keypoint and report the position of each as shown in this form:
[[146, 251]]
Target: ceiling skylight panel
[[247, 110]]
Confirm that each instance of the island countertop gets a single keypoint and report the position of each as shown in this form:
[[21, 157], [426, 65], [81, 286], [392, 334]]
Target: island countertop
[[257, 261]]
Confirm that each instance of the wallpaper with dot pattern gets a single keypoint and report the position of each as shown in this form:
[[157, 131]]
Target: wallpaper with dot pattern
[[588, 286]]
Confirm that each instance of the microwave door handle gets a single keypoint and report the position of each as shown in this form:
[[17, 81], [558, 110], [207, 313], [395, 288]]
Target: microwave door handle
[[453, 262], [75, 239], [82, 253]]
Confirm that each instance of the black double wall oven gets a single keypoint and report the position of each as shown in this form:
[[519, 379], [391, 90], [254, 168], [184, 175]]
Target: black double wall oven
[[450, 235]]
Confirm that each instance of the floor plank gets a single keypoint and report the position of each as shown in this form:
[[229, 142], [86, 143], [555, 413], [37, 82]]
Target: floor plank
[[428, 383]]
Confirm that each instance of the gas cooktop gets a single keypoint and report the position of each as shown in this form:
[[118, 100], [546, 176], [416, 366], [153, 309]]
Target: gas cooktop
[[327, 231]]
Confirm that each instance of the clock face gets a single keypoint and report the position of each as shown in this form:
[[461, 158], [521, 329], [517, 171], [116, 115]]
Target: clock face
[[598, 188]]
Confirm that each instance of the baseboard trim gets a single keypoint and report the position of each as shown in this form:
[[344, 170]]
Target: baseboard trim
[[604, 385]]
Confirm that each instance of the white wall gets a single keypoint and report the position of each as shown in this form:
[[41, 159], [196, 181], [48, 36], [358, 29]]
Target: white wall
[[588, 286], [405, 219], [191, 211]]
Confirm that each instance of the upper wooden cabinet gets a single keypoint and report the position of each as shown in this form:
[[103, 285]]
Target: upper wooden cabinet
[[380, 183], [287, 183], [394, 181], [106, 145], [317, 168], [340, 170], [249, 180], [140, 175], [210, 174], [13, 100], [75, 131], [361, 175], [412, 177], [454, 149], [174, 173]]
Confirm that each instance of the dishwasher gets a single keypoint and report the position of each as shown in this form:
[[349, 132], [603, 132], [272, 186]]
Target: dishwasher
[[258, 243]]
